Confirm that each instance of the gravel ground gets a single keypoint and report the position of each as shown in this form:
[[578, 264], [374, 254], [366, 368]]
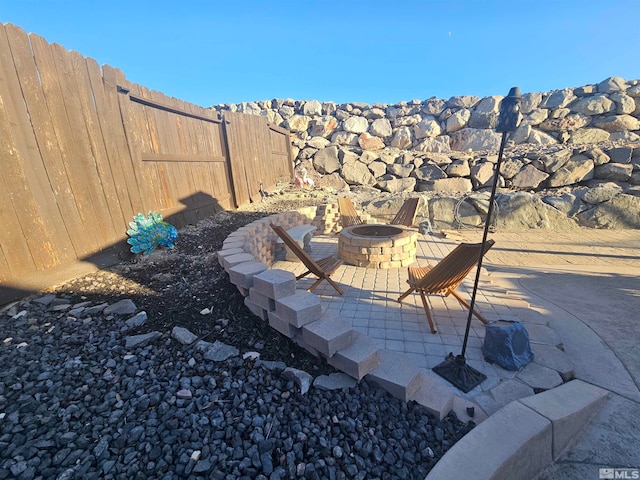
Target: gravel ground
[[97, 387]]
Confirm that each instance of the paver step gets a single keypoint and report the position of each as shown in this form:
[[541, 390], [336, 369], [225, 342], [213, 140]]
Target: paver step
[[396, 374], [328, 334], [358, 359], [434, 395]]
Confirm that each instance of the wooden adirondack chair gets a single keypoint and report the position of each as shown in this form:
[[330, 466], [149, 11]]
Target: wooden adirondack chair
[[348, 214], [444, 277], [320, 268], [407, 213]]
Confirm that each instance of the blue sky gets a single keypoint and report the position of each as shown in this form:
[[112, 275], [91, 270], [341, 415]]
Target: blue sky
[[211, 52]]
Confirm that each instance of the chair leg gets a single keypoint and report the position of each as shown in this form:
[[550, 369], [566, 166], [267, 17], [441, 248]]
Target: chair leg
[[466, 304], [314, 285], [405, 294], [302, 275], [334, 285], [427, 310], [331, 282]]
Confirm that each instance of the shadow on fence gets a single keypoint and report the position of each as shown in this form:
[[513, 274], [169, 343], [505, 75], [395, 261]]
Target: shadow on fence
[[197, 207]]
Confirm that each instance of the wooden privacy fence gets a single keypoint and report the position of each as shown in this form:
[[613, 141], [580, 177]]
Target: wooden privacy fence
[[83, 150]]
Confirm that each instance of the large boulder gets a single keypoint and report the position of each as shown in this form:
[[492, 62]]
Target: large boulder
[[457, 120], [485, 113], [529, 178], [355, 124], [622, 211], [357, 173], [447, 185], [381, 127], [402, 138], [482, 175], [589, 135], [427, 128], [298, 123], [323, 126], [370, 142], [429, 172], [614, 171], [574, 171], [397, 185], [594, 105], [522, 210], [327, 160], [475, 139], [617, 123], [439, 144]]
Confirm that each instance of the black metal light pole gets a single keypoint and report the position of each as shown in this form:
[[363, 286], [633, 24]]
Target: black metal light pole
[[454, 368]]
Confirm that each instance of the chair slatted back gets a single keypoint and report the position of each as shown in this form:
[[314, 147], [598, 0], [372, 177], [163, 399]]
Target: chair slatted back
[[348, 214], [299, 252], [407, 214], [452, 269]]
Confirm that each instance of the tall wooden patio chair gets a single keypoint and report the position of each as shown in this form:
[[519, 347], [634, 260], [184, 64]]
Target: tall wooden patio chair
[[444, 277], [320, 268], [407, 213], [348, 213]]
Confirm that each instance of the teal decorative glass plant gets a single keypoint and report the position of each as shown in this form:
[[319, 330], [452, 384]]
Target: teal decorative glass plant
[[147, 233]]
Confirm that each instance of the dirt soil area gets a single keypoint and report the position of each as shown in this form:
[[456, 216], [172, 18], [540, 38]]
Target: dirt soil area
[[187, 287]]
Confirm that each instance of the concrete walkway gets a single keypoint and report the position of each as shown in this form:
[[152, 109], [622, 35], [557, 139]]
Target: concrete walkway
[[577, 290]]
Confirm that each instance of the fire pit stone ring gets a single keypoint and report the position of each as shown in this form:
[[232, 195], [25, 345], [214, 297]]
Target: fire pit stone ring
[[377, 246]]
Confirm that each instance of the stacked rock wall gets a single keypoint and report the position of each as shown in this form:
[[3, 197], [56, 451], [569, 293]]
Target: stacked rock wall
[[569, 142]]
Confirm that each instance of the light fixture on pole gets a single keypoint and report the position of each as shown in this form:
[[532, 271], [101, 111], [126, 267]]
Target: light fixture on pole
[[454, 368]]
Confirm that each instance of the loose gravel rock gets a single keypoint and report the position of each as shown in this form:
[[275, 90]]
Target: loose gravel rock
[[80, 400]]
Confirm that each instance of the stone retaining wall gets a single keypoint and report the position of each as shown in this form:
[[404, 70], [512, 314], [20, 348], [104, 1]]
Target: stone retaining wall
[[569, 142]]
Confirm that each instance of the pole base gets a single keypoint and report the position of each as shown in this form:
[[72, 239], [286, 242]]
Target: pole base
[[455, 370]]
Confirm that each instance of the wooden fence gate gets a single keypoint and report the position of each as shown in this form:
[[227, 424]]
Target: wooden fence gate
[[83, 150]]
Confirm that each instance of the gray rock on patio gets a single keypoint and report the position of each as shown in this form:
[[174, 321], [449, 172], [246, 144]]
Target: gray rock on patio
[[539, 377], [510, 390]]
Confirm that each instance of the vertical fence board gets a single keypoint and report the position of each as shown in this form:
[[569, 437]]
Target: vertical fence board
[[106, 144], [113, 128], [70, 158], [89, 194], [137, 136], [31, 193], [105, 181]]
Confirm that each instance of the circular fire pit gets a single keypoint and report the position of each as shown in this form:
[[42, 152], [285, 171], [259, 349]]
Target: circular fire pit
[[377, 246]]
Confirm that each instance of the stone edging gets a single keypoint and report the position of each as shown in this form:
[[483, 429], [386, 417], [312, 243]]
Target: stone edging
[[539, 429]]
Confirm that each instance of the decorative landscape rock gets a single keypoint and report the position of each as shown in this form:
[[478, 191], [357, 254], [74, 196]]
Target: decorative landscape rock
[[572, 135], [95, 408]]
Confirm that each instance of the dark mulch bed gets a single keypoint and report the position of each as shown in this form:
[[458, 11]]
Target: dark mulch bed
[[175, 286]]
